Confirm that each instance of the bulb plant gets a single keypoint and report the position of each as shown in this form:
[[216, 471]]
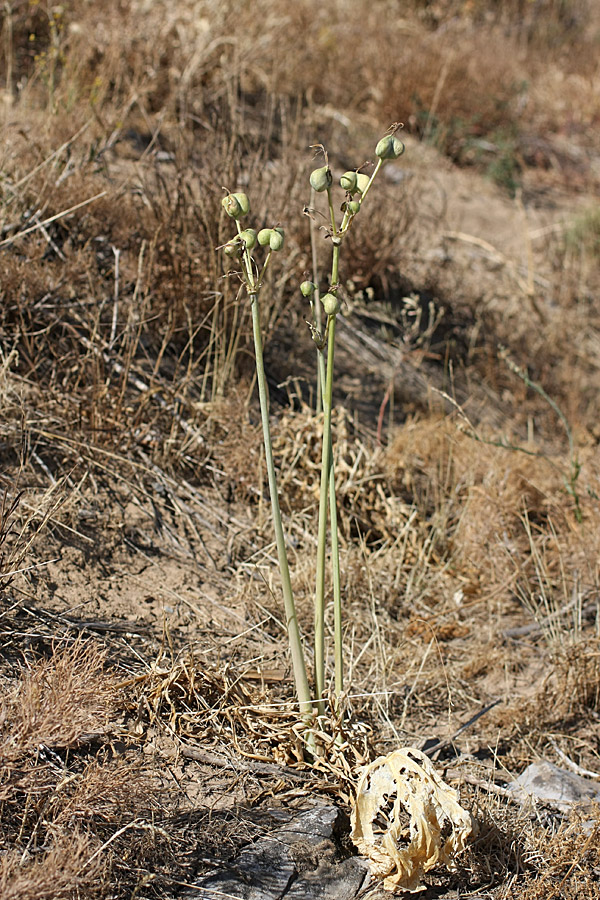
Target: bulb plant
[[252, 250]]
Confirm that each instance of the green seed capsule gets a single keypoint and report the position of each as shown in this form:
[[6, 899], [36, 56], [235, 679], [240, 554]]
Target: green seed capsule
[[331, 304], [349, 182], [353, 206], [362, 182], [321, 179], [264, 236], [242, 199], [249, 238], [232, 206], [276, 240], [307, 288], [389, 147]]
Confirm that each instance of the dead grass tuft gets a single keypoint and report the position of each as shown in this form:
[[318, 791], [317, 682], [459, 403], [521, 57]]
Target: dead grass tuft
[[575, 683], [212, 711], [568, 863], [62, 873], [74, 813], [55, 705]]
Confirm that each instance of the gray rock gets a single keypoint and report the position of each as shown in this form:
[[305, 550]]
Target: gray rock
[[298, 860], [313, 825], [550, 785], [330, 882], [262, 873]]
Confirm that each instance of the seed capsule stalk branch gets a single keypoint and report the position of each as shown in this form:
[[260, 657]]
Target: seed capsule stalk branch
[[372, 178]]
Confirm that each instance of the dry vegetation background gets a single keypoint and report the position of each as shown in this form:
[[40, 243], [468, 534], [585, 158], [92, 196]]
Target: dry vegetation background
[[140, 631]]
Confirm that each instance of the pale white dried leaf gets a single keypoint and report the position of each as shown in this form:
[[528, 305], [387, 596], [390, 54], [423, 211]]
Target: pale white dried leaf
[[420, 823]]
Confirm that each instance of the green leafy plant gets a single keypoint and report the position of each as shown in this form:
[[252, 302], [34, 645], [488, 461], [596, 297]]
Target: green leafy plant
[[247, 248]]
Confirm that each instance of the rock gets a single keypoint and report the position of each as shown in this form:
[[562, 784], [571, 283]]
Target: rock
[[298, 860], [550, 785], [315, 824], [330, 882]]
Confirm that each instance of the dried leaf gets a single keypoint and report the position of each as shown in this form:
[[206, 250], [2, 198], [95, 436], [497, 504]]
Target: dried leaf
[[406, 819]]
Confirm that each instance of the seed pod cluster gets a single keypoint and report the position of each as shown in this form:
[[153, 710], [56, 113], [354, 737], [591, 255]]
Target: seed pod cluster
[[349, 182], [362, 182], [271, 237], [237, 205], [307, 288], [321, 179], [249, 238], [232, 249]]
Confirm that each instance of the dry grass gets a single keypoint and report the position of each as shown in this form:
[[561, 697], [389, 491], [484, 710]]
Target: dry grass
[[133, 503], [67, 798]]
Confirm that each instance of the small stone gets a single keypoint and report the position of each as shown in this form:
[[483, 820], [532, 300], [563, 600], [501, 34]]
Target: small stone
[[550, 785]]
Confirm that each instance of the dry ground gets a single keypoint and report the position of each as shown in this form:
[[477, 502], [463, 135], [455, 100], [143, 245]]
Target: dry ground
[[147, 718]]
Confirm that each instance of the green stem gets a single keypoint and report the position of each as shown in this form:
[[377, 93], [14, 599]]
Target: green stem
[[371, 180], [337, 244], [293, 629], [337, 589], [316, 305], [249, 276], [326, 470], [322, 532], [335, 561], [331, 213]]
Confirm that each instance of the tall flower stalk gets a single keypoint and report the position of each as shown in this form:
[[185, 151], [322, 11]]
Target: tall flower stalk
[[241, 249], [356, 187], [237, 206]]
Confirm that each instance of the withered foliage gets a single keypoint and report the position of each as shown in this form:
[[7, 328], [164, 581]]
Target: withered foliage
[[73, 809]]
